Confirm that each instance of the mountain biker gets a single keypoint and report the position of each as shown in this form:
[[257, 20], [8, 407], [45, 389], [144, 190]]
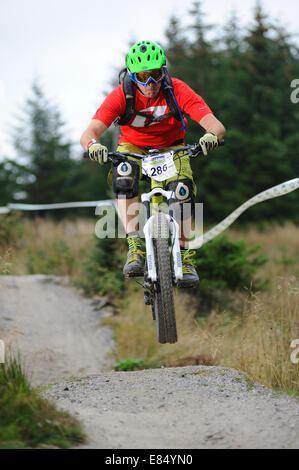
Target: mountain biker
[[154, 127]]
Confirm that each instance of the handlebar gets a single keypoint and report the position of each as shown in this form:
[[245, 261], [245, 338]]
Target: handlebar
[[192, 150]]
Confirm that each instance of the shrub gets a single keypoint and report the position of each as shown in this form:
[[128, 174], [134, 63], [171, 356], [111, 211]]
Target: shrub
[[56, 259], [104, 267], [223, 263], [129, 364], [4, 264], [11, 229], [225, 266]]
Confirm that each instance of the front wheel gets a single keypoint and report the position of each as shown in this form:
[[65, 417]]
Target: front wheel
[[163, 302]]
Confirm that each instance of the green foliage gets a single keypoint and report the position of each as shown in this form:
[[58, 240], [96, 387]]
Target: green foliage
[[245, 79], [129, 364], [11, 229], [225, 267], [13, 377], [104, 267], [4, 264], [8, 184], [56, 259], [243, 75], [46, 154], [223, 263], [45, 169], [26, 420]]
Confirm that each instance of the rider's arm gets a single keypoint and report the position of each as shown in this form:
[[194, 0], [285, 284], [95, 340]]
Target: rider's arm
[[198, 110], [211, 124], [94, 131]]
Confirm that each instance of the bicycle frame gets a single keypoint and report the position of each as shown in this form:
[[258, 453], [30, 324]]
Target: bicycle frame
[[160, 274], [156, 196]]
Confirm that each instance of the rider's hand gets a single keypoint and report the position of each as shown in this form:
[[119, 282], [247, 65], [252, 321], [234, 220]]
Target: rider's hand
[[208, 142], [97, 152]]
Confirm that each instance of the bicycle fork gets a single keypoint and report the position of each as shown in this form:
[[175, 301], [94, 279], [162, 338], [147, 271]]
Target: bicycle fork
[[150, 233]]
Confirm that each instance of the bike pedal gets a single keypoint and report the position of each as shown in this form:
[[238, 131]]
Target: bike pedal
[[187, 286], [129, 275]]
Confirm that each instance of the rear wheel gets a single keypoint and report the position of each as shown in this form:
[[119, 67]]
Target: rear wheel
[[163, 302]]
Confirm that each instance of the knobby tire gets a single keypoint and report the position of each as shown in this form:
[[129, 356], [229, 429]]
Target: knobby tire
[[164, 310]]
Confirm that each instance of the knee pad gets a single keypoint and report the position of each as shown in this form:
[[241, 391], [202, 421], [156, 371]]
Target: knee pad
[[125, 177], [182, 201]]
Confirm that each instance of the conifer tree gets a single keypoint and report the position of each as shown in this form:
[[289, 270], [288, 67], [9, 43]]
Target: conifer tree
[[245, 78], [46, 168], [43, 154]]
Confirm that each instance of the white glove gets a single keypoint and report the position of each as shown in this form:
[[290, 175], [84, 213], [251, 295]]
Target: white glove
[[97, 152], [208, 142]]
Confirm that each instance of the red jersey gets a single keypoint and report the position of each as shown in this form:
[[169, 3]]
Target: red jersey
[[158, 134]]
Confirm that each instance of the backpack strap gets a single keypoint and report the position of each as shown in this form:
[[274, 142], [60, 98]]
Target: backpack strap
[[129, 92], [169, 96], [171, 100]]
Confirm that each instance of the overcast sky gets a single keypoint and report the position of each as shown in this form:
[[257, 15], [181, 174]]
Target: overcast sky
[[73, 47]]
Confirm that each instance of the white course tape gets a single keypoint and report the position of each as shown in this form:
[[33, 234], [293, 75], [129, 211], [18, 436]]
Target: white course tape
[[276, 191], [279, 190], [60, 205]]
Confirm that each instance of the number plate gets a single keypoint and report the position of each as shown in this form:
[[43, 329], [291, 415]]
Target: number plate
[[159, 167]]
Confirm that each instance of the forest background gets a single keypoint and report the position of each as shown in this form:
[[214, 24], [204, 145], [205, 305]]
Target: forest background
[[248, 78]]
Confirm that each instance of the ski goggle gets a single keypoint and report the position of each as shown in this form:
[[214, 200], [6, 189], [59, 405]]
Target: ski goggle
[[144, 78]]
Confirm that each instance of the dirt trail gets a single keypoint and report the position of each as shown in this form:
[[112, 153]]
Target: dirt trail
[[194, 407], [58, 332]]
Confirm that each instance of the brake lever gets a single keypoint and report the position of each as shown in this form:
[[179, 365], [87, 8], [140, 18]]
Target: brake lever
[[195, 150]]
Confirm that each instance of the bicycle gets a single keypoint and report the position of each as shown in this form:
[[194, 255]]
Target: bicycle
[[163, 265]]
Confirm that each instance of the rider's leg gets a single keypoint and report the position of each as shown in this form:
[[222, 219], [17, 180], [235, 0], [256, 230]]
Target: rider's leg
[[184, 192], [128, 211], [185, 230], [125, 179], [182, 204]]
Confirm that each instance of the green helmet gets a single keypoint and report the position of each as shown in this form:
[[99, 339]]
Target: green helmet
[[145, 55]]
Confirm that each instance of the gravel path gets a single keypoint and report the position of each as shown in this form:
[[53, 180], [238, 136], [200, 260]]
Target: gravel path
[[55, 329], [194, 407], [59, 334]]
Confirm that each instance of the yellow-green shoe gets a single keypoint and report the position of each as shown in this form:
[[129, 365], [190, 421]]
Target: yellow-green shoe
[[190, 277], [135, 258]]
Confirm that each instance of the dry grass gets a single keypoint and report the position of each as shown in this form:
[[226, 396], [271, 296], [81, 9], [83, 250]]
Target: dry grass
[[259, 342], [42, 234], [4, 263], [281, 244], [256, 340], [136, 334]]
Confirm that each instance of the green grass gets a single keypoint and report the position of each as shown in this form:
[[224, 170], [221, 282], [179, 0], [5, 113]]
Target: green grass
[[27, 421], [130, 364], [249, 382]]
